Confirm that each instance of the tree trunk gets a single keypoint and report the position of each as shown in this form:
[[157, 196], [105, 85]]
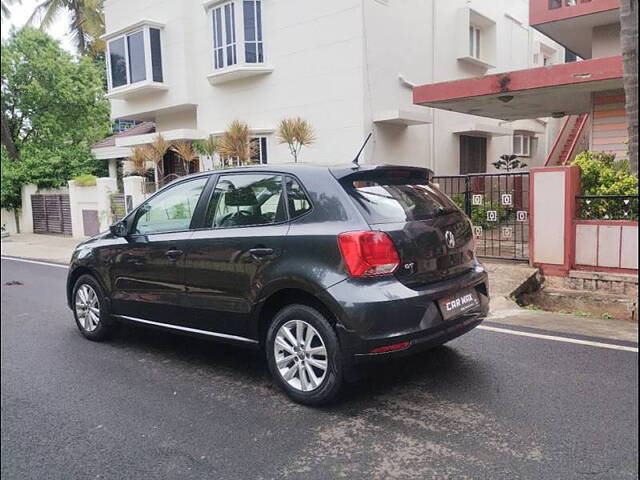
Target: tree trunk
[[7, 140], [629, 39]]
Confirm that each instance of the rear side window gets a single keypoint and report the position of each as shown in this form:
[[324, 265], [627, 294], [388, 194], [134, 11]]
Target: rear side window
[[299, 203], [245, 200], [391, 200]]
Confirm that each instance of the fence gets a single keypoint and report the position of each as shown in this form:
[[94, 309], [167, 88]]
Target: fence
[[498, 205], [607, 207], [580, 232]]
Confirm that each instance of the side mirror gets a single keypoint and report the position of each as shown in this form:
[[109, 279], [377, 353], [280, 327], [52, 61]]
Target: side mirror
[[119, 229]]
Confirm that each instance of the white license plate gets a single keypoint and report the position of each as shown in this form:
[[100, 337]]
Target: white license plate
[[458, 304]]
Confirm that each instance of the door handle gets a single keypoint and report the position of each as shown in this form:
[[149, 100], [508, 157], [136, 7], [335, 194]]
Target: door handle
[[173, 254], [261, 252]]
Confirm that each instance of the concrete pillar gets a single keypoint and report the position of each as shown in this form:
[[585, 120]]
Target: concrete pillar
[[77, 228], [105, 188], [113, 168], [133, 191], [26, 215], [553, 193]]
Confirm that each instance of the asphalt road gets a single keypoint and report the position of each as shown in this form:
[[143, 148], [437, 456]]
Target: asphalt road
[[149, 404]]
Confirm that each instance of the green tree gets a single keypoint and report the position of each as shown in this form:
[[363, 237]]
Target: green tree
[[53, 109], [87, 21]]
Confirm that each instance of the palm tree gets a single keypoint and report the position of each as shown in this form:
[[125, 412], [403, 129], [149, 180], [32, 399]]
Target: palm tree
[[156, 152], [139, 158], [6, 12], [629, 38], [296, 133], [207, 147], [186, 152], [235, 144], [87, 21]]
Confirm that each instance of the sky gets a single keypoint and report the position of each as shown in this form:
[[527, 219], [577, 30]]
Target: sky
[[21, 12]]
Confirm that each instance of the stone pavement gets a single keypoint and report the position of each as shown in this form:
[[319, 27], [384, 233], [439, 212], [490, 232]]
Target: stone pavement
[[504, 278]]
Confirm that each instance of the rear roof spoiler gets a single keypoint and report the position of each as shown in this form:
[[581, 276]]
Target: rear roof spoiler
[[381, 171]]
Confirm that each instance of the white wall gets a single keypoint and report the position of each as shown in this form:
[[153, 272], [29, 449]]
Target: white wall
[[396, 40], [8, 221], [335, 63]]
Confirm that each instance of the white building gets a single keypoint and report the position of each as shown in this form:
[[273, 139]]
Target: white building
[[346, 66]]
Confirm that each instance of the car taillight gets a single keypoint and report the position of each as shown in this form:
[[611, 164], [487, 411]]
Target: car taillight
[[368, 253]]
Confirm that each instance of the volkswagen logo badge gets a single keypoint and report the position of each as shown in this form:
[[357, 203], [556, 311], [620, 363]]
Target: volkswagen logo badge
[[450, 239]]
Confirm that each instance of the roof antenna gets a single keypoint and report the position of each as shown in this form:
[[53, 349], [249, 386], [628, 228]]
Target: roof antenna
[[357, 159]]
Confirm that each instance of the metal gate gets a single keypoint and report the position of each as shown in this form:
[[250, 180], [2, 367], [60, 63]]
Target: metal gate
[[51, 214], [118, 207], [498, 205]]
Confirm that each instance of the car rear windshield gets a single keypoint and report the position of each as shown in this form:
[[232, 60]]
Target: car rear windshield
[[392, 200]]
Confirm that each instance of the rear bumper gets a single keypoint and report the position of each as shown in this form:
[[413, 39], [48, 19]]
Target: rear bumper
[[376, 314]]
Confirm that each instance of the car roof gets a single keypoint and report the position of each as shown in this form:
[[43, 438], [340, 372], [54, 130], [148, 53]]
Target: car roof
[[338, 171]]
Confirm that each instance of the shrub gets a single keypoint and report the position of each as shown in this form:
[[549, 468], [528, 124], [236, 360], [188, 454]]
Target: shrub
[[479, 213], [86, 180], [602, 174]]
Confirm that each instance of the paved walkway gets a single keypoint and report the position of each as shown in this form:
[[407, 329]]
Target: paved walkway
[[504, 278], [51, 248]]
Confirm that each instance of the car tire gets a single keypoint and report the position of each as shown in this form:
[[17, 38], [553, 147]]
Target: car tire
[[88, 302], [322, 335]]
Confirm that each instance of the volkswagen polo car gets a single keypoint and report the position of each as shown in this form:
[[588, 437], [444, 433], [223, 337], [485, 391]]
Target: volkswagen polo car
[[322, 268]]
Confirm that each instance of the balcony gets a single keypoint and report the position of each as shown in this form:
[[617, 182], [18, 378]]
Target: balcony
[[555, 91], [571, 22]]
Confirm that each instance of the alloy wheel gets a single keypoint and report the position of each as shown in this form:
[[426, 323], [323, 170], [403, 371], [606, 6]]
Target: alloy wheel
[[300, 355], [87, 307]]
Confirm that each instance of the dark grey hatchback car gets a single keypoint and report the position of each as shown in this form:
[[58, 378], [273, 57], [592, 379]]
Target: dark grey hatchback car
[[323, 268]]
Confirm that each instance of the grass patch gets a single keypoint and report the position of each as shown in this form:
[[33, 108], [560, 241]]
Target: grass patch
[[86, 180]]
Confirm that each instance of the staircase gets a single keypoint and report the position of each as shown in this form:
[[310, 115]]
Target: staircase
[[571, 135]]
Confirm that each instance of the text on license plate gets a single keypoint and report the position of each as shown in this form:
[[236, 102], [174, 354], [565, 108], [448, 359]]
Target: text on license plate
[[458, 304]]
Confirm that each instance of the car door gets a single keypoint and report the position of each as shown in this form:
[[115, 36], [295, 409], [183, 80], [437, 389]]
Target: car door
[[147, 274], [237, 247]]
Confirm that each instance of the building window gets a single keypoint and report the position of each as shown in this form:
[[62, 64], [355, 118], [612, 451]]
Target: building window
[[252, 10], [229, 31], [135, 57], [259, 150], [474, 41], [522, 145], [224, 35]]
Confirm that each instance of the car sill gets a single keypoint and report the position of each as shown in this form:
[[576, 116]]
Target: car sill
[[187, 329]]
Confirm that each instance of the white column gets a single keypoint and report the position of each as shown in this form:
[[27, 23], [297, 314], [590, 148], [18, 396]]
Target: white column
[[26, 214], [77, 227], [113, 168], [105, 187], [133, 190]]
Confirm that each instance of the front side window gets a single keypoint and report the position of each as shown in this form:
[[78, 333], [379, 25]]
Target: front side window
[[229, 31], [135, 57], [224, 35], [170, 210], [246, 200]]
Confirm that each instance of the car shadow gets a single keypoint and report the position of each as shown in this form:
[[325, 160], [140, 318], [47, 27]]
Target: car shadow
[[441, 370]]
